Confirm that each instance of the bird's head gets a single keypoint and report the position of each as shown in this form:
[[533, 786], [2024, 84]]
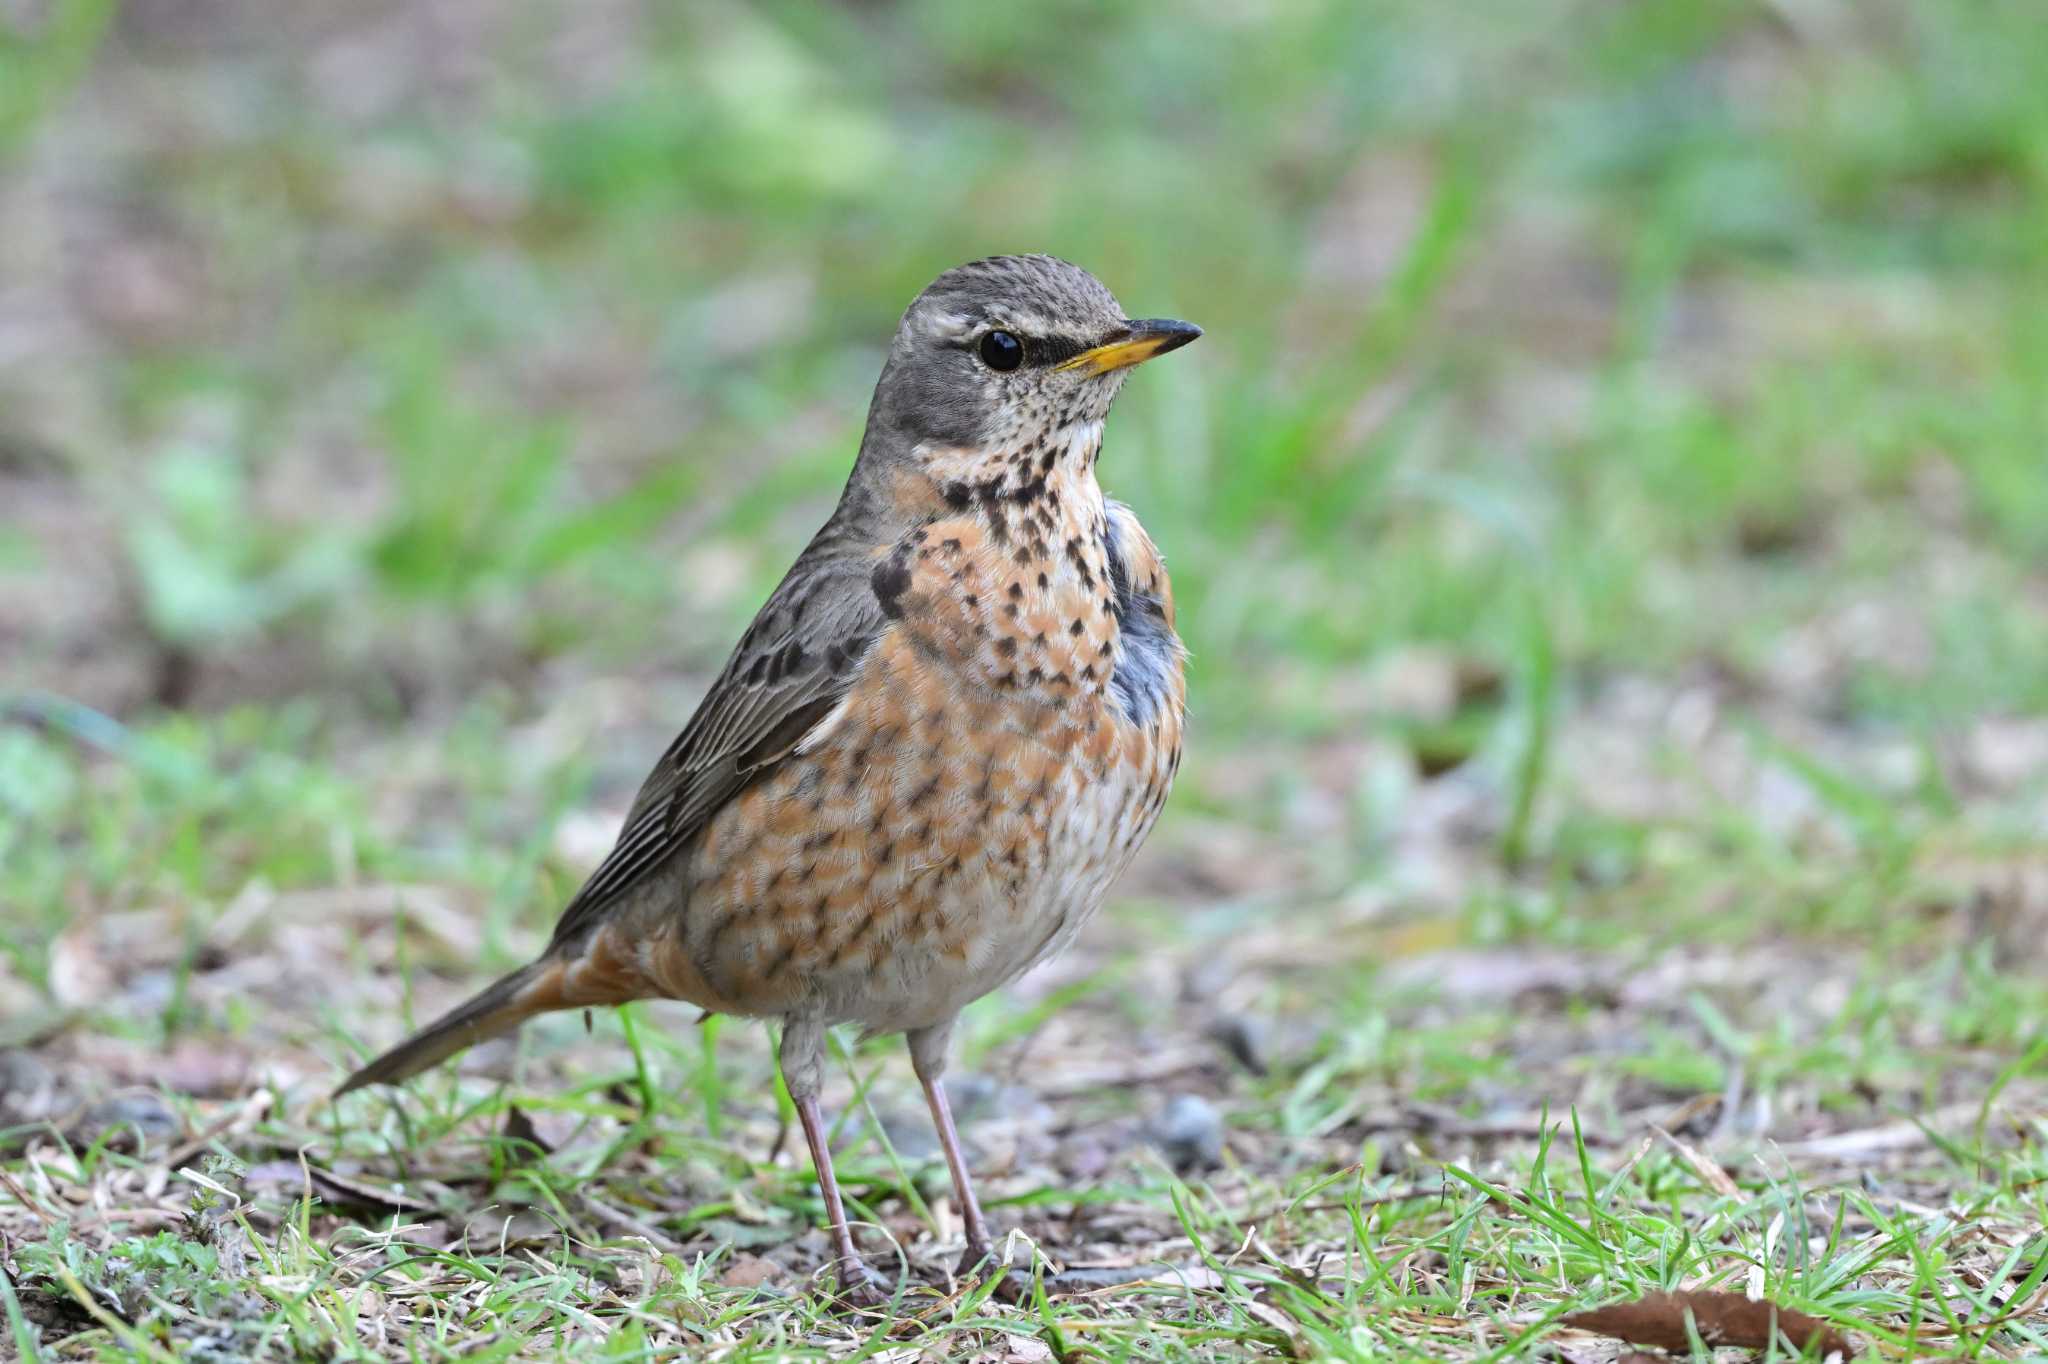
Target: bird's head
[[1009, 354]]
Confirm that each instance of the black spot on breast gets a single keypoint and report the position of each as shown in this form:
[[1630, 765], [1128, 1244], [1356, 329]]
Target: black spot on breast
[[891, 579]]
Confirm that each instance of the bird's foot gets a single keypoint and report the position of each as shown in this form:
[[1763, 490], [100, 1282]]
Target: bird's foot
[[979, 1259], [860, 1287]]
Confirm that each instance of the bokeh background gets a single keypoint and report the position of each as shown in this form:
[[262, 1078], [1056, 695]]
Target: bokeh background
[[1609, 511]]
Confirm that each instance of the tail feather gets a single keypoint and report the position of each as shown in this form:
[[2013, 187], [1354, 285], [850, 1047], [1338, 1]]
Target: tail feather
[[531, 990]]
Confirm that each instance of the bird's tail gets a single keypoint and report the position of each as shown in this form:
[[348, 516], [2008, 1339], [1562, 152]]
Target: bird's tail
[[534, 989]]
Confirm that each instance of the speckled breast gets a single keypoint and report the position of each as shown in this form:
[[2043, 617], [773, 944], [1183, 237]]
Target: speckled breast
[[1006, 746]]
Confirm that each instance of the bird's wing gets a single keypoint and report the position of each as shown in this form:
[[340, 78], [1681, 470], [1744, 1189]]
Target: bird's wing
[[792, 666]]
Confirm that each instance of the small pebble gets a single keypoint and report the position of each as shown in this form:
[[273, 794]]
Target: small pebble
[[1189, 1133]]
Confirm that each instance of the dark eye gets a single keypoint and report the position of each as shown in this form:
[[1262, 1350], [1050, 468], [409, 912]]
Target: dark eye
[[1000, 350]]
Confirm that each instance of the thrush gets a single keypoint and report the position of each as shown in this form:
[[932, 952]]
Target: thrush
[[935, 748]]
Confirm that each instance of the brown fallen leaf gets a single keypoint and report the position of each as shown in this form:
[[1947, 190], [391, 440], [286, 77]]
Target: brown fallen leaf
[[1722, 1319], [749, 1271]]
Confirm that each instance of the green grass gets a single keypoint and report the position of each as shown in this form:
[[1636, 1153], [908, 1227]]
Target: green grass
[[1608, 515]]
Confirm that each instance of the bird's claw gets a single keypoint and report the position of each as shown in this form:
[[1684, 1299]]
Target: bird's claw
[[861, 1289], [980, 1256]]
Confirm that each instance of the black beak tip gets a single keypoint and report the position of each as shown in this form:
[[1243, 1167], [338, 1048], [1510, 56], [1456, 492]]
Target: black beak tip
[[1171, 332]]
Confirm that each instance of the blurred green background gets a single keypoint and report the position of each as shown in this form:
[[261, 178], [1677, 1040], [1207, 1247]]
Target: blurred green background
[[377, 385], [482, 323], [1609, 507]]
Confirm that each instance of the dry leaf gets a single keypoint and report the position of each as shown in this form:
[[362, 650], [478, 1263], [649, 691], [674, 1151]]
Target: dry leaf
[[1722, 1319], [749, 1271]]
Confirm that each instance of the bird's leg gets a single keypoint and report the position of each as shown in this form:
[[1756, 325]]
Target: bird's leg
[[928, 1055], [857, 1282], [980, 1248], [802, 1058]]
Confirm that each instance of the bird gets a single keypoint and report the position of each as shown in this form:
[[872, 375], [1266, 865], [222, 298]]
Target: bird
[[938, 744]]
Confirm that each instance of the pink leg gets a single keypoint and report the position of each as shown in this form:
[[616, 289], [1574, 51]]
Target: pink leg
[[979, 1245], [856, 1281]]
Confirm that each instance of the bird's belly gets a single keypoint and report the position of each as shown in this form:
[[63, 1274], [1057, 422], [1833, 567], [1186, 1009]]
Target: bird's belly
[[1013, 918], [935, 841]]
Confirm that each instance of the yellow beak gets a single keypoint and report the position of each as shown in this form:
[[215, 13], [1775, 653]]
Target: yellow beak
[[1135, 344]]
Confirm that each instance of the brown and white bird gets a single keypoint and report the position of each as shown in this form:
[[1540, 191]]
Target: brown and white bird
[[937, 745]]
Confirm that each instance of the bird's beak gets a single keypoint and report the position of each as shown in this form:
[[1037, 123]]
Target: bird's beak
[[1136, 343]]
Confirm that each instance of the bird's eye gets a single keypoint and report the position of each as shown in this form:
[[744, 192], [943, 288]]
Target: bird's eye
[[1002, 351]]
